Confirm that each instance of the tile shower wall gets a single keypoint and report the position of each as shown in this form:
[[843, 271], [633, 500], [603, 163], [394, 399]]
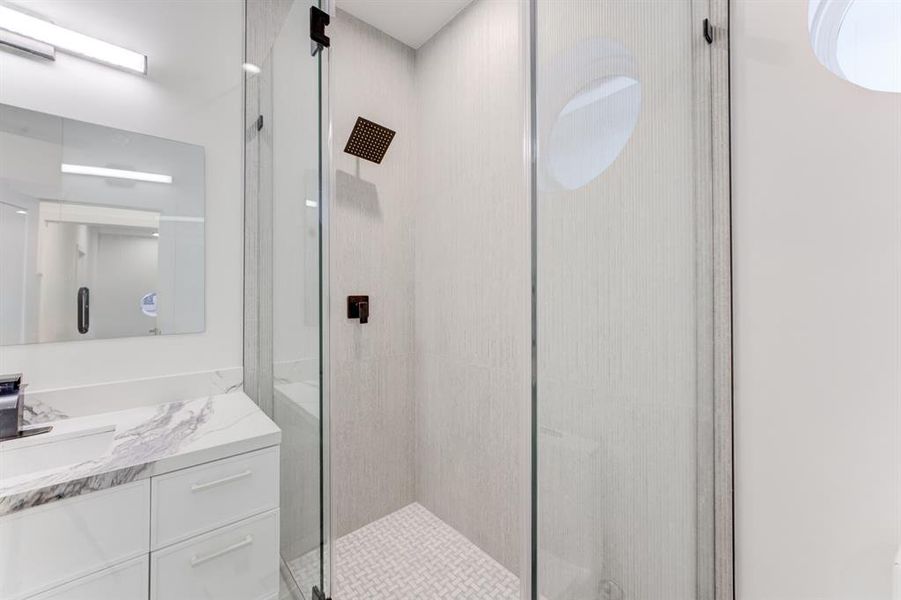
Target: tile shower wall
[[620, 317], [371, 244], [472, 277], [430, 408]]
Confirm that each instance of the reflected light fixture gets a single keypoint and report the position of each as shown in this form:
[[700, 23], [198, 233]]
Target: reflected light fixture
[[155, 234], [21, 212], [71, 42], [114, 173], [251, 68]]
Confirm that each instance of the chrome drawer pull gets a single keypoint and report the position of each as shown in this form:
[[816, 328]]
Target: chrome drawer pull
[[199, 560], [199, 487]]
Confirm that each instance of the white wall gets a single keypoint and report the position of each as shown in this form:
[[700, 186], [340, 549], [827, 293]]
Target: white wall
[[193, 94], [817, 300]]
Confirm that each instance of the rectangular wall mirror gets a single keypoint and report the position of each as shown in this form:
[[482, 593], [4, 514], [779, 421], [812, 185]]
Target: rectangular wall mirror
[[101, 231]]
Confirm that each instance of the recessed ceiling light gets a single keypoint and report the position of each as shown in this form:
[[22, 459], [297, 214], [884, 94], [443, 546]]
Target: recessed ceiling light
[[21, 212], [156, 234], [251, 68], [115, 173], [70, 41], [312, 203]]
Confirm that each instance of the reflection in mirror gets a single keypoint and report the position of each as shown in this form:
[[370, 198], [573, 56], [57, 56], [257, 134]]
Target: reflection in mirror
[[101, 231]]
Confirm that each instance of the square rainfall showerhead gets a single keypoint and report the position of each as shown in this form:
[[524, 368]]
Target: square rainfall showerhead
[[369, 140]]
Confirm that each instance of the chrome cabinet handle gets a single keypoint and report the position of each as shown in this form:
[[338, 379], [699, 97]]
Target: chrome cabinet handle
[[199, 560], [199, 487]]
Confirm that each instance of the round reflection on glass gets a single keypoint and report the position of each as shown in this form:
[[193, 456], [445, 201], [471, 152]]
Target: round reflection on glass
[[858, 40], [589, 102]]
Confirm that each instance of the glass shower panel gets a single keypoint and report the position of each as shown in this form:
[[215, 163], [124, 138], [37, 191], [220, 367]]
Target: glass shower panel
[[290, 197], [623, 302]]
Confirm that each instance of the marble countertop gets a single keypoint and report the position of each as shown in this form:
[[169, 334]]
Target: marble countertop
[[148, 441]]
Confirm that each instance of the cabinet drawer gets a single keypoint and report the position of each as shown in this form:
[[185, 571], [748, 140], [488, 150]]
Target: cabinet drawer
[[237, 562], [46, 546], [127, 581], [196, 500]]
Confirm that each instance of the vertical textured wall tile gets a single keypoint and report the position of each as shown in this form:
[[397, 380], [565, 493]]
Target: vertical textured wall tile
[[472, 276], [372, 253], [621, 321]]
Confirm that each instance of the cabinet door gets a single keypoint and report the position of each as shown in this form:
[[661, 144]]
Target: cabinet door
[[238, 562], [47, 546], [192, 501], [127, 581]]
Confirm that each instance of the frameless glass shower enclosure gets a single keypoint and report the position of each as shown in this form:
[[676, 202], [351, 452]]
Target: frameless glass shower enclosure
[[630, 266], [285, 276], [499, 339]]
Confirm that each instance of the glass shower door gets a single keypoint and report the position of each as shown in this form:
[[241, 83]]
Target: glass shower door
[[624, 301], [292, 288]]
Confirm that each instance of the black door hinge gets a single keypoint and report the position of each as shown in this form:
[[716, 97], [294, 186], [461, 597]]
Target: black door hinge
[[708, 31], [259, 122], [319, 19]]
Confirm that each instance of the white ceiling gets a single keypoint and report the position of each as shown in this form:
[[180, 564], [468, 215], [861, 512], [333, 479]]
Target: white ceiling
[[412, 22]]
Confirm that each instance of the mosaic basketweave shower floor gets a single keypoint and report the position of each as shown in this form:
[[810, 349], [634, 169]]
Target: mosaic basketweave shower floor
[[413, 555]]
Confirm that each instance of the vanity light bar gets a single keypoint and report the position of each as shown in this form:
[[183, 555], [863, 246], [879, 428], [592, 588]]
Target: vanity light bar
[[70, 41], [20, 42], [114, 173]]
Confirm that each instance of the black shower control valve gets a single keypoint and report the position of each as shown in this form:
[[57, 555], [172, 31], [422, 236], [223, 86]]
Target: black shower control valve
[[358, 308]]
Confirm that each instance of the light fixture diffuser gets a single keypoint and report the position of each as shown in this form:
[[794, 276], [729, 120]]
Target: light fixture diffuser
[[70, 41], [114, 173], [24, 44]]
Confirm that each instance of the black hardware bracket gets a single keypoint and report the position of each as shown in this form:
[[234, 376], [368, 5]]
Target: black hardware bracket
[[708, 31], [260, 123], [319, 19], [317, 595]]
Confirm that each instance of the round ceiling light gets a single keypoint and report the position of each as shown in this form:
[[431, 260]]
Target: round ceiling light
[[858, 40]]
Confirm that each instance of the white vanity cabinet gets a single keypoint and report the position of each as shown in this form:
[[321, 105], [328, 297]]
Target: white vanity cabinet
[[236, 562], [206, 531], [214, 530], [56, 543], [196, 500], [125, 580]]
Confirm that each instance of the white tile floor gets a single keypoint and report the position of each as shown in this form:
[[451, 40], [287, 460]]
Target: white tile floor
[[413, 555]]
